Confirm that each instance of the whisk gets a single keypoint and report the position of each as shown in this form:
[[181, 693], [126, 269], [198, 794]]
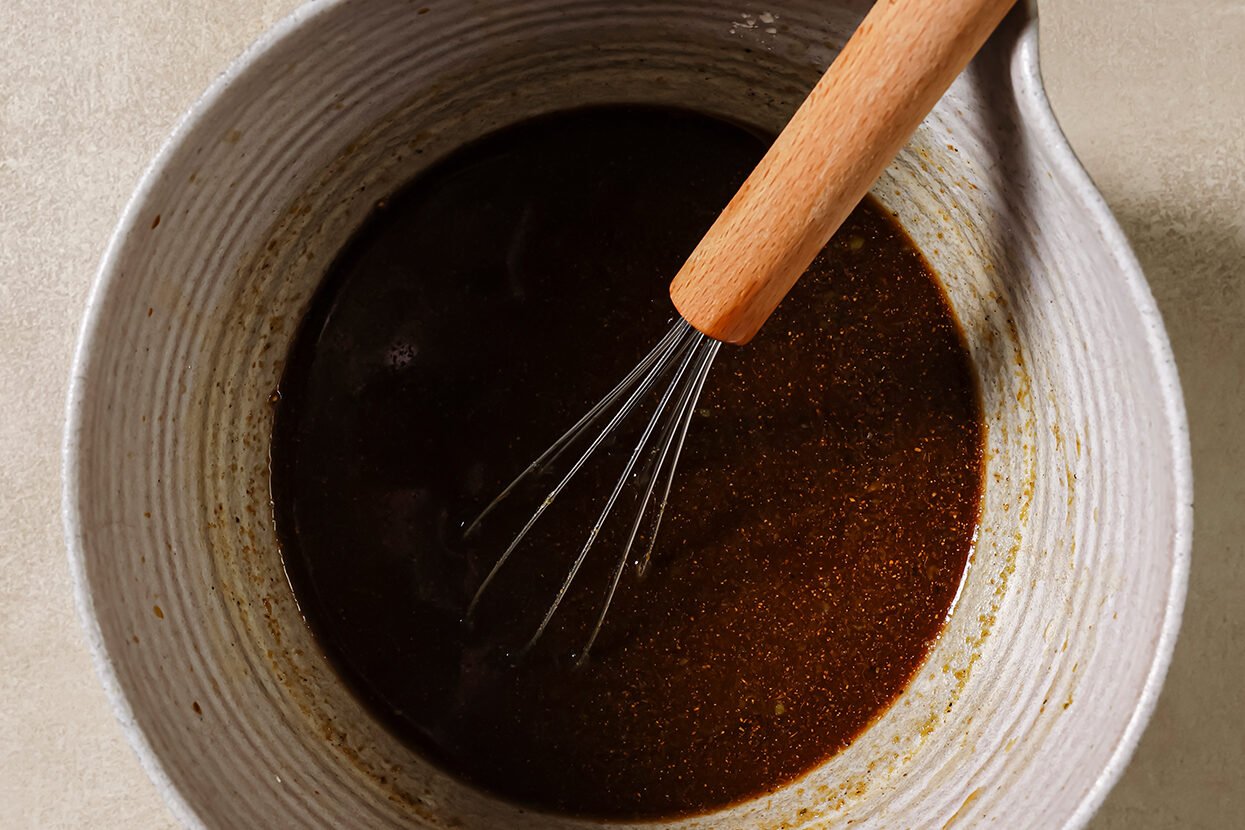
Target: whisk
[[896, 66]]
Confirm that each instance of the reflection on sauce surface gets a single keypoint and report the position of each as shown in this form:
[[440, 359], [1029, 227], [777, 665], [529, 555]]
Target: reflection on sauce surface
[[819, 526]]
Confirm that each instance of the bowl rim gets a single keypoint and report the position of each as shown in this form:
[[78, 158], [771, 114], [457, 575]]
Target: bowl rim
[[73, 491], [1036, 113]]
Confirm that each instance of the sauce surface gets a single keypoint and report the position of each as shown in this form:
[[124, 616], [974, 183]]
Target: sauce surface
[[816, 536]]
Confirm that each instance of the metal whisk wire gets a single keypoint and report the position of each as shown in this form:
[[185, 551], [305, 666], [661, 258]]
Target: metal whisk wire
[[689, 355]]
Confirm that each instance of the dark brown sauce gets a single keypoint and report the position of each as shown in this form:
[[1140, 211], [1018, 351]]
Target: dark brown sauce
[[819, 527]]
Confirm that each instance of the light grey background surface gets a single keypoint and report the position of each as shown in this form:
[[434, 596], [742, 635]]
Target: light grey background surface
[[1151, 94]]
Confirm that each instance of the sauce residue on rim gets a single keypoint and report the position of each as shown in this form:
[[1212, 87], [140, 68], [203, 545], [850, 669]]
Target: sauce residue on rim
[[818, 530]]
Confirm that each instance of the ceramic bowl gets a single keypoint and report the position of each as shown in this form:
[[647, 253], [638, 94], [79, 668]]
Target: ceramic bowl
[[1031, 702]]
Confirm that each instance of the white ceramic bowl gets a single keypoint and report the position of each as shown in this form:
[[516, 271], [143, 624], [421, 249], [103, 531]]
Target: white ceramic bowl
[[1031, 702]]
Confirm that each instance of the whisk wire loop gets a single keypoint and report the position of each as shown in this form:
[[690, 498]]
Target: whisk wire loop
[[689, 354], [670, 346], [684, 409], [555, 449]]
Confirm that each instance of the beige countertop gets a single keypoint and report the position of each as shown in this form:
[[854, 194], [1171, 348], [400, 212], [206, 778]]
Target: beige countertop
[[1152, 95]]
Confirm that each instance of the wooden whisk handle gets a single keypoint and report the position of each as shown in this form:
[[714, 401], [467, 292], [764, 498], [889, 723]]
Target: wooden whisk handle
[[888, 77]]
